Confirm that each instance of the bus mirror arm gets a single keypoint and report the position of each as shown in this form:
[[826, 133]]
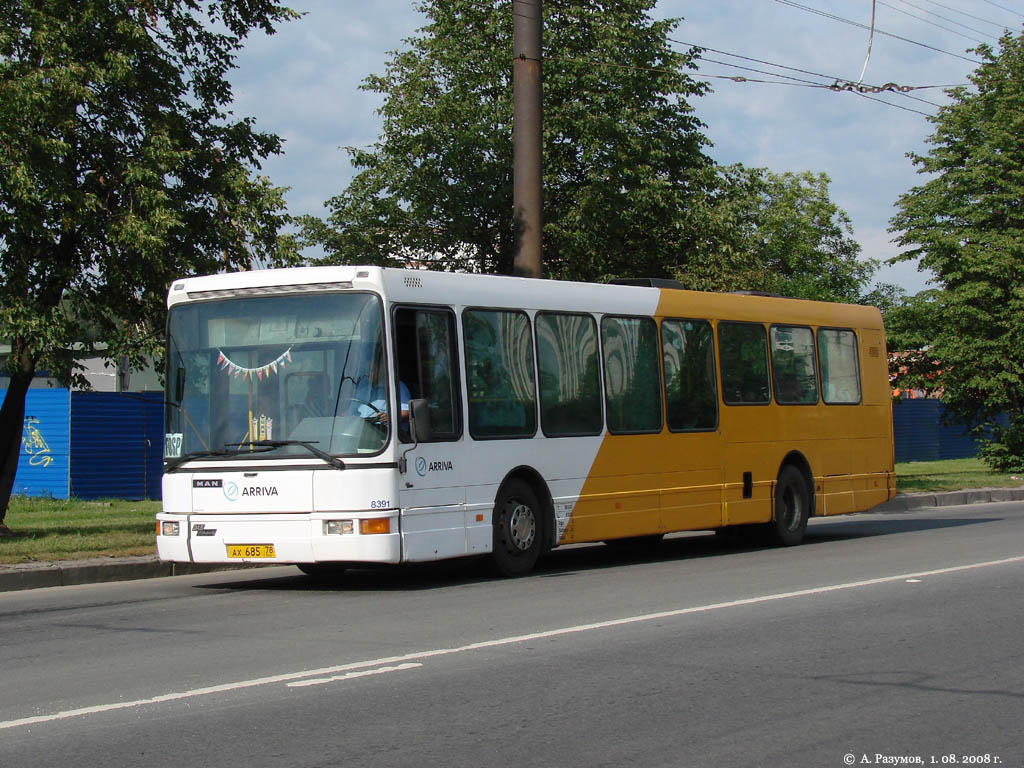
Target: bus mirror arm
[[179, 385], [419, 428]]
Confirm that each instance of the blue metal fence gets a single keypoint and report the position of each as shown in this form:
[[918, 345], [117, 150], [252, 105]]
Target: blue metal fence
[[920, 433], [116, 445], [45, 445], [91, 445]]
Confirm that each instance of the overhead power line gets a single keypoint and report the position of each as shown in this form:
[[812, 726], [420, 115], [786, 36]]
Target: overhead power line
[[877, 31], [837, 83], [968, 15], [862, 91], [946, 18], [871, 39], [1003, 7], [929, 21]]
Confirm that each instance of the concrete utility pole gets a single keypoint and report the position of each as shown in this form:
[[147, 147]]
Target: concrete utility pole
[[526, 137]]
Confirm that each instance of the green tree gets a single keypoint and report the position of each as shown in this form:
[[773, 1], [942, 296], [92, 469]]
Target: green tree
[[966, 224], [911, 322], [624, 166], [777, 232], [121, 167]]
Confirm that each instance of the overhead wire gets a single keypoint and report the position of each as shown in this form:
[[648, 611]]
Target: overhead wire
[[946, 18], [793, 81], [871, 39], [968, 15], [832, 16], [835, 80], [1010, 10], [929, 21]]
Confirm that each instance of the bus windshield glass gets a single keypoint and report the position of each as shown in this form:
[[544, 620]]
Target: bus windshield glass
[[268, 374]]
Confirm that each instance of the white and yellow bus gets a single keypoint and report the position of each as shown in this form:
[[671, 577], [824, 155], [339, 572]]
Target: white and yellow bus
[[335, 416]]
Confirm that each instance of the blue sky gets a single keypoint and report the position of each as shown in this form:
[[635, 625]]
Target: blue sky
[[303, 84]]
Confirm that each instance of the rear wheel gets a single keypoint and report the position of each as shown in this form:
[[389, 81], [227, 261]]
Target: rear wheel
[[518, 529], [792, 507]]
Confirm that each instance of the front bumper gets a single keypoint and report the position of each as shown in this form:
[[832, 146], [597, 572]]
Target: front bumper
[[296, 538]]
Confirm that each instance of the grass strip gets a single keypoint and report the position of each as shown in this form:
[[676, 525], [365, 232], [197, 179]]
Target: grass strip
[[47, 529]]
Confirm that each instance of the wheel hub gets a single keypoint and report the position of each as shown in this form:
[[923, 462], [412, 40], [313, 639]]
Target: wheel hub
[[522, 526]]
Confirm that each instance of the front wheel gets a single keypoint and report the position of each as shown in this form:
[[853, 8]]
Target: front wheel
[[518, 529], [792, 508]]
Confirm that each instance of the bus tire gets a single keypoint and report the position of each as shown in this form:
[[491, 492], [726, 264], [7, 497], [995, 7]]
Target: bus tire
[[792, 507], [518, 535]]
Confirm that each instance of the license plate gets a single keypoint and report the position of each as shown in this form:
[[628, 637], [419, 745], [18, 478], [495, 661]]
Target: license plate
[[256, 551]]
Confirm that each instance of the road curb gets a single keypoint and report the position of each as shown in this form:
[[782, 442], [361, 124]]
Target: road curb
[[907, 502], [70, 572]]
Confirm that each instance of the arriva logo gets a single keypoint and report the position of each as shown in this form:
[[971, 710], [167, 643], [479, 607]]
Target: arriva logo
[[231, 491], [423, 466]]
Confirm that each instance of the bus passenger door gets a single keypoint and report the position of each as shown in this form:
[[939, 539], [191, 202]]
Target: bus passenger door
[[431, 491]]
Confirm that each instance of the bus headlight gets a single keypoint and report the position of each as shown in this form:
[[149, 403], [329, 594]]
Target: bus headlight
[[169, 528], [333, 527]]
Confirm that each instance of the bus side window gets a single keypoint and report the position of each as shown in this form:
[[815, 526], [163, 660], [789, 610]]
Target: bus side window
[[688, 355], [425, 360], [743, 357], [794, 373], [631, 377], [840, 371], [570, 384], [499, 373]]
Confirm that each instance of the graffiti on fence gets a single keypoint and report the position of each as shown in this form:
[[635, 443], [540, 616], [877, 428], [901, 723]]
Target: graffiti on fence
[[35, 445]]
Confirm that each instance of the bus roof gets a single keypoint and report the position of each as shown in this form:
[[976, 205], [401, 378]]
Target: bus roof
[[474, 290]]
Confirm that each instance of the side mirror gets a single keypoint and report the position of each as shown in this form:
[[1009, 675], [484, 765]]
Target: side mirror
[[419, 421], [179, 386]]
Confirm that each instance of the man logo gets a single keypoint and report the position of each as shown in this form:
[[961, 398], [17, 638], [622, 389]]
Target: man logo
[[231, 491]]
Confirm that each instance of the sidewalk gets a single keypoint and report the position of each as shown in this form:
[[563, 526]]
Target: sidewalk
[[69, 572]]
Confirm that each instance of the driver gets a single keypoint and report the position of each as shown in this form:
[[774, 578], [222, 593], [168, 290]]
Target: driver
[[372, 399]]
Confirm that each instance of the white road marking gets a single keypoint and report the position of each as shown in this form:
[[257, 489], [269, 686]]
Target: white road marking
[[350, 675], [339, 672]]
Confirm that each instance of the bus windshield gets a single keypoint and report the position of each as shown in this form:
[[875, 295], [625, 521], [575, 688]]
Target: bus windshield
[[277, 374]]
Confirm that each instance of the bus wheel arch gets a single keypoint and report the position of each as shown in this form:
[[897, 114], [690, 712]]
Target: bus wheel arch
[[522, 522], [793, 502]]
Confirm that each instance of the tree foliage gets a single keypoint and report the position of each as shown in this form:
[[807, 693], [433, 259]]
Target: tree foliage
[[624, 165], [966, 224], [776, 232], [121, 167], [628, 188], [911, 323]]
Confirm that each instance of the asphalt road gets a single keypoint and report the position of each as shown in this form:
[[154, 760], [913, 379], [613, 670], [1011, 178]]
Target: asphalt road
[[882, 637]]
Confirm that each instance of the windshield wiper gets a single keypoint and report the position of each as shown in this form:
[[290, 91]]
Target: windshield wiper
[[334, 461], [177, 461]]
